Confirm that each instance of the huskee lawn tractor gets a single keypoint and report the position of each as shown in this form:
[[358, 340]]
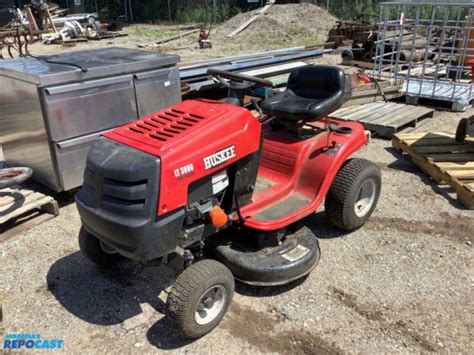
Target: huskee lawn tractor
[[219, 194]]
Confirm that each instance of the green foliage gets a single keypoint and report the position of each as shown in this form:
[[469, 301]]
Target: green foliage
[[202, 11], [180, 11], [206, 14]]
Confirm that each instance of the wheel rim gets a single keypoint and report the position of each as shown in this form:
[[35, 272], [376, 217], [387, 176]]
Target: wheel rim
[[107, 248], [210, 305], [365, 198]]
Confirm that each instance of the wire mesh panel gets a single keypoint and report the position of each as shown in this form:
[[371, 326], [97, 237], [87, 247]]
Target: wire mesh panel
[[430, 44]]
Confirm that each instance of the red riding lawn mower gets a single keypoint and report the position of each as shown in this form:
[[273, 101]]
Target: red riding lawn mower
[[219, 194]]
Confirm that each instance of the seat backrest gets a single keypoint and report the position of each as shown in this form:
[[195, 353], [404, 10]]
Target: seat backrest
[[317, 81]]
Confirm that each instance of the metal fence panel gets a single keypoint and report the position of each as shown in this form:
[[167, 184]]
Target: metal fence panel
[[429, 45]]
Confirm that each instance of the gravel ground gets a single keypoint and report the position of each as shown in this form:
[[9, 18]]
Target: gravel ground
[[402, 283]]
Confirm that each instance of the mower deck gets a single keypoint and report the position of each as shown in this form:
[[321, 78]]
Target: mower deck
[[296, 256]]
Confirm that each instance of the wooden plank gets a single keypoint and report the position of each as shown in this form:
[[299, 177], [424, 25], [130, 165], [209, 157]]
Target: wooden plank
[[374, 92], [465, 157], [346, 110], [385, 118], [251, 19], [19, 225], [10, 195], [382, 83], [32, 25], [396, 115], [454, 166], [16, 201], [171, 38], [389, 114], [47, 17], [371, 99], [360, 111], [424, 135], [377, 112], [464, 174], [408, 116], [451, 148]]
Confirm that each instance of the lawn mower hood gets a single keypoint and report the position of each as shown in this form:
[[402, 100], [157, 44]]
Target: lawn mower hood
[[140, 177]]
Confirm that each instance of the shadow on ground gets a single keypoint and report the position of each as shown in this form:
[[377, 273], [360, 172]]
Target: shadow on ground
[[110, 297]]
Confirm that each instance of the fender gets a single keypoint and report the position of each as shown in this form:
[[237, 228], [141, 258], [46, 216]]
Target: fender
[[315, 167]]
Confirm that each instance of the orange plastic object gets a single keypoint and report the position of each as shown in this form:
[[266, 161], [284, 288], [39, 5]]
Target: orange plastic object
[[218, 217]]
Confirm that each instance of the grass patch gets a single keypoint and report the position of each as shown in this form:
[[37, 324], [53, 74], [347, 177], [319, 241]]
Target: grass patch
[[147, 31]]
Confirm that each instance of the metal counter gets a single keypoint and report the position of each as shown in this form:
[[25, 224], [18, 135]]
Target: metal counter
[[51, 113]]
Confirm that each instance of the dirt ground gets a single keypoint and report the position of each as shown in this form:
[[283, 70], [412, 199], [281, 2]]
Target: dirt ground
[[402, 283]]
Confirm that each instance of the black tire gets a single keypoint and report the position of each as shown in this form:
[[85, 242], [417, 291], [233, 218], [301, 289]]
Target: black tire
[[461, 130], [340, 203], [93, 249], [186, 293], [14, 176]]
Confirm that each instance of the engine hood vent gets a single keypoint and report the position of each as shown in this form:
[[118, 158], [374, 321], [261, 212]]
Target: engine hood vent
[[165, 125]]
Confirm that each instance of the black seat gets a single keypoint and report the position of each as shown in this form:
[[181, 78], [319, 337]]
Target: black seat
[[312, 92]]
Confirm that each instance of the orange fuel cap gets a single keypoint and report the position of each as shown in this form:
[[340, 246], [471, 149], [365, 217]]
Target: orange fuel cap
[[218, 217]]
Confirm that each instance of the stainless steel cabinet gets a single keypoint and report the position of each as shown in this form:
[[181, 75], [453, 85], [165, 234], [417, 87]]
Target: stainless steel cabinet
[[156, 88], [71, 155], [50, 113], [92, 106]]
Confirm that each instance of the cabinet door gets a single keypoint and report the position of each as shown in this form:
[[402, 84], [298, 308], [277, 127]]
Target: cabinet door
[[157, 90], [71, 156], [82, 108]]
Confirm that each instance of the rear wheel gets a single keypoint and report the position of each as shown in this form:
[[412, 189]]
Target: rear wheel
[[461, 130], [353, 194], [200, 298], [97, 251]]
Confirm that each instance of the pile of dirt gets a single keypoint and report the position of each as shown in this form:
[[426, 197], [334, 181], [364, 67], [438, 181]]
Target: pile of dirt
[[288, 19]]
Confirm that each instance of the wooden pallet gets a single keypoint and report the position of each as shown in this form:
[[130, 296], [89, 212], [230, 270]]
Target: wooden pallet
[[445, 160], [384, 118], [456, 106], [364, 94], [16, 201]]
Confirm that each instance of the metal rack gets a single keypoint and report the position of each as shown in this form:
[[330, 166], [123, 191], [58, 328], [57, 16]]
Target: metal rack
[[428, 44]]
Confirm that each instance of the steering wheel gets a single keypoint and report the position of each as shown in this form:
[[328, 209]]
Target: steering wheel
[[237, 81]]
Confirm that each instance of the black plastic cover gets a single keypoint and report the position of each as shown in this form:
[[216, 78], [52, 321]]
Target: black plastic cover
[[119, 198]]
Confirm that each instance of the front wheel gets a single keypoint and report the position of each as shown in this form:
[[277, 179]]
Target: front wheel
[[97, 251], [354, 194], [200, 297]]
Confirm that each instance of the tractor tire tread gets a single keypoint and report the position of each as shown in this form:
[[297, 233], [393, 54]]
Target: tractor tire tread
[[190, 283], [337, 207]]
